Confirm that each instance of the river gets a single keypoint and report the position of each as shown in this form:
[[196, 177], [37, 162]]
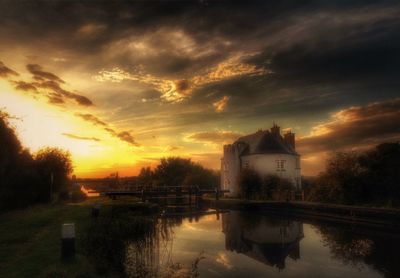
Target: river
[[245, 244]]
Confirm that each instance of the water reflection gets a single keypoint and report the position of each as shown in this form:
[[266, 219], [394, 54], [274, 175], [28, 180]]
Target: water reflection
[[237, 244], [262, 239]]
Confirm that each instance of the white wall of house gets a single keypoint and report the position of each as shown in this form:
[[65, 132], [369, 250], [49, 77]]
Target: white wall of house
[[283, 165], [230, 169]]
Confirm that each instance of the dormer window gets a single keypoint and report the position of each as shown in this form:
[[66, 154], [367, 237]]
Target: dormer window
[[280, 165]]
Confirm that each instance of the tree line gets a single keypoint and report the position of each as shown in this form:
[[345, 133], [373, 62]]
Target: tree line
[[177, 171], [370, 177], [26, 178]]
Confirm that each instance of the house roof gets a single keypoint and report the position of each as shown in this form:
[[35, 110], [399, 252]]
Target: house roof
[[263, 142]]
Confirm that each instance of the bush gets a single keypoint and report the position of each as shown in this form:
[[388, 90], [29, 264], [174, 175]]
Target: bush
[[269, 187]]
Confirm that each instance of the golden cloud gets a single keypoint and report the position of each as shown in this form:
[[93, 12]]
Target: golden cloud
[[125, 136], [220, 105], [355, 127], [46, 83], [177, 90], [6, 71]]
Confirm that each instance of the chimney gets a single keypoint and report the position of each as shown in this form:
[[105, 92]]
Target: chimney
[[275, 130], [289, 139]]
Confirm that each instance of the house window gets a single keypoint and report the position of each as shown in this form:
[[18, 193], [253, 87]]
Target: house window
[[280, 165], [246, 165]]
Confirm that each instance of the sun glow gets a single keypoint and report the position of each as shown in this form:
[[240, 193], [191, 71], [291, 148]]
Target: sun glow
[[39, 124]]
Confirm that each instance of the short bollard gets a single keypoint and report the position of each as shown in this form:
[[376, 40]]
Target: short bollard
[[68, 241]]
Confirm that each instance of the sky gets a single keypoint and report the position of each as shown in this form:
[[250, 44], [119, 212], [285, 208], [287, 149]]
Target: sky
[[121, 84]]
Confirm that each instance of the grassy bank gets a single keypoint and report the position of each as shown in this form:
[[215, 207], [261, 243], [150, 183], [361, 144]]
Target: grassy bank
[[30, 239]]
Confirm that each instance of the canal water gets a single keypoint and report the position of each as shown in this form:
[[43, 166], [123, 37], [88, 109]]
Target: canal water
[[243, 244]]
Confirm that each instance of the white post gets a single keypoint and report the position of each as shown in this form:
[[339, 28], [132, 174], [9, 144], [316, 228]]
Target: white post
[[68, 240]]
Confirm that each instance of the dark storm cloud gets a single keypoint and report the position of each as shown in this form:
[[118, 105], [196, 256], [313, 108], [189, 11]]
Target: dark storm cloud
[[355, 127], [295, 39], [73, 136], [6, 71]]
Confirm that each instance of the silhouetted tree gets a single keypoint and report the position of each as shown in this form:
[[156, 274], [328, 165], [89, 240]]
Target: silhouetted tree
[[202, 177], [24, 180], [341, 180], [145, 177], [381, 176], [53, 166], [370, 177], [176, 171]]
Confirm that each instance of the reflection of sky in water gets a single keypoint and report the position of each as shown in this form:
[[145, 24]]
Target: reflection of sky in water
[[207, 235]]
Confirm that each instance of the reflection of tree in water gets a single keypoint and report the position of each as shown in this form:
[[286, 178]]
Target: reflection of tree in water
[[147, 258], [135, 246], [358, 247]]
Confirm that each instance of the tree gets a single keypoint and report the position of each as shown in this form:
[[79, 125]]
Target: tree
[[146, 177], [17, 171], [340, 182], [275, 188], [381, 175], [177, 171], [369, 177], [250, 183], [53, 166], [201, 177]]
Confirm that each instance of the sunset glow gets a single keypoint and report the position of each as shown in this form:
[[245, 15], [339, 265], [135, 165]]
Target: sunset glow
[[120, 94]]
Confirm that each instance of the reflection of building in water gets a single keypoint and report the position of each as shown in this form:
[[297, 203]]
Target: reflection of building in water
[[266, 241]]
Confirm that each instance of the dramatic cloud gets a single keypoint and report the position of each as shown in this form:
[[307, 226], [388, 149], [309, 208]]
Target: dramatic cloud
[[165, 68], [55, 88], [125, 136], [177, 90], [220, 105], [40, 75], [355, 127], [49, 85], [72, 136], [214, 137], [6, 72]]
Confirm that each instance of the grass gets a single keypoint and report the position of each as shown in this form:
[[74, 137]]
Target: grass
[[30, 244]]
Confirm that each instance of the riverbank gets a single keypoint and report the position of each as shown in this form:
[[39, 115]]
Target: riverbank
[[30, 238], [379, 218]]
